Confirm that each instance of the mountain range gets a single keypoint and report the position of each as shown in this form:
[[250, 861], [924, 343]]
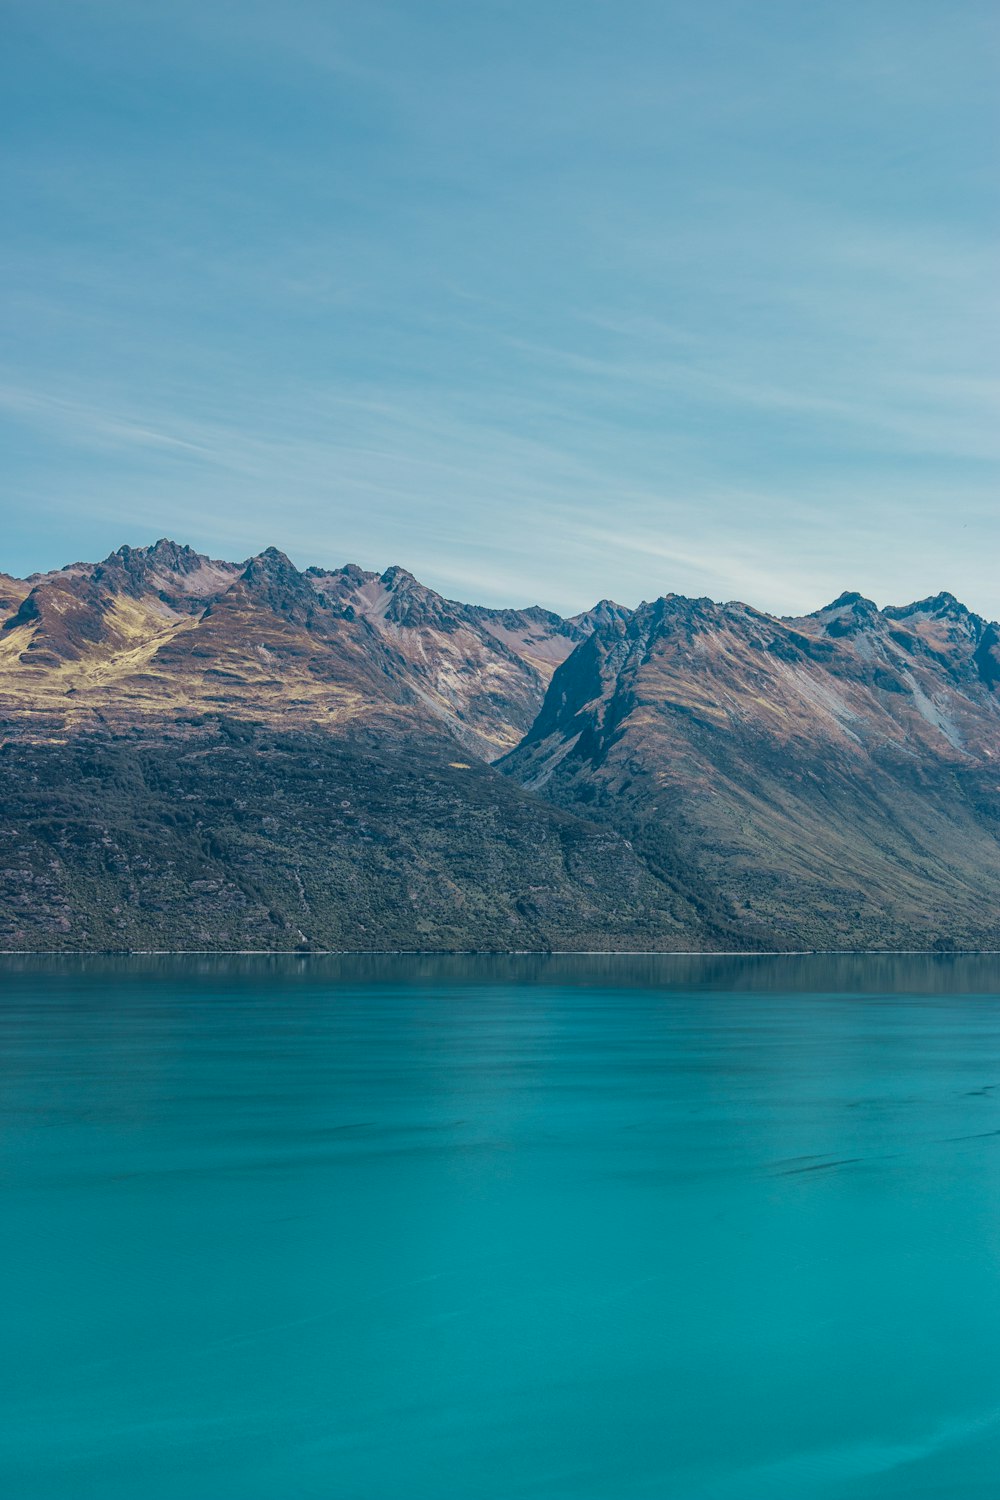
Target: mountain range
[[199, 754]]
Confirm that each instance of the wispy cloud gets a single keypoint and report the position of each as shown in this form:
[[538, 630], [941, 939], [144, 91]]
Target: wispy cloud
[[544, 313]]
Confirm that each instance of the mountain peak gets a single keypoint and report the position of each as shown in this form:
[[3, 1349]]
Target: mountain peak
[[682, 609], [274, 557], [847, 615], [604, 612], [163, 553], [941, 606], [397, 576], [350, 574], [273, 580], [271, 563], [412, 603], [176, 573], [850, 599]]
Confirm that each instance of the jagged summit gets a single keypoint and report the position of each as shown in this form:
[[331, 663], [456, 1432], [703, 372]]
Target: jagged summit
[[849, 599], [398, 577], [178, 557], [154, 626], [274, 559], [940, 606], [187, 569], [602, 613], [271, 564], [179, 576], [349, 573]]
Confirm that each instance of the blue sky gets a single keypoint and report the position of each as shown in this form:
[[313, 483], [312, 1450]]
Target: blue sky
[[546, 301]]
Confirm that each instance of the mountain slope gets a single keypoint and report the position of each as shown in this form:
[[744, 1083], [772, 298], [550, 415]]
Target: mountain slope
[[236, 836], [482, 671], [196, 753], [199, 754], [153, 632], [832, 778]]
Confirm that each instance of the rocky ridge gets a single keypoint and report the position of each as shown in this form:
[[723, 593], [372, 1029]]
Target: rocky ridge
[[154, 631], [832, 778], [205, 753]]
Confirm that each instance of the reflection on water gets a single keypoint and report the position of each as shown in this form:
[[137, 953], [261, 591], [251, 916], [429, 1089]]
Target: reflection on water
[[571, 1228], [877, 973]]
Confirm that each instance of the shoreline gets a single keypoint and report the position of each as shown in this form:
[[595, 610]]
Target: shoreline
[[498, 953]]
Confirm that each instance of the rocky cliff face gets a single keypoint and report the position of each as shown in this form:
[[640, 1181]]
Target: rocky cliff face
[[483, 672], [831, 778], [196, 753]]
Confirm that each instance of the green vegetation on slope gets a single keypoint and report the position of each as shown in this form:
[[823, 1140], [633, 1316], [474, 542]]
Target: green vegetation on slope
[[239, 837]]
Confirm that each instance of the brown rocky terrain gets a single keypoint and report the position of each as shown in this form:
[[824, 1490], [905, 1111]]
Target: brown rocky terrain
[[833, 779], [204, 754], [196, 753], [156, 632], [482, 672]]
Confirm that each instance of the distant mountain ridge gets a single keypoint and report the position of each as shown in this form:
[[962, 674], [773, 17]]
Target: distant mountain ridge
[[682, 774], [150, 625]]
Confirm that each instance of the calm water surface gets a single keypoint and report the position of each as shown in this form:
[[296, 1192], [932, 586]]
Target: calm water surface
[[456, 1230]]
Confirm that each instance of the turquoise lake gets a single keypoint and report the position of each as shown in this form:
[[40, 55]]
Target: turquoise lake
[[449, 1229]]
